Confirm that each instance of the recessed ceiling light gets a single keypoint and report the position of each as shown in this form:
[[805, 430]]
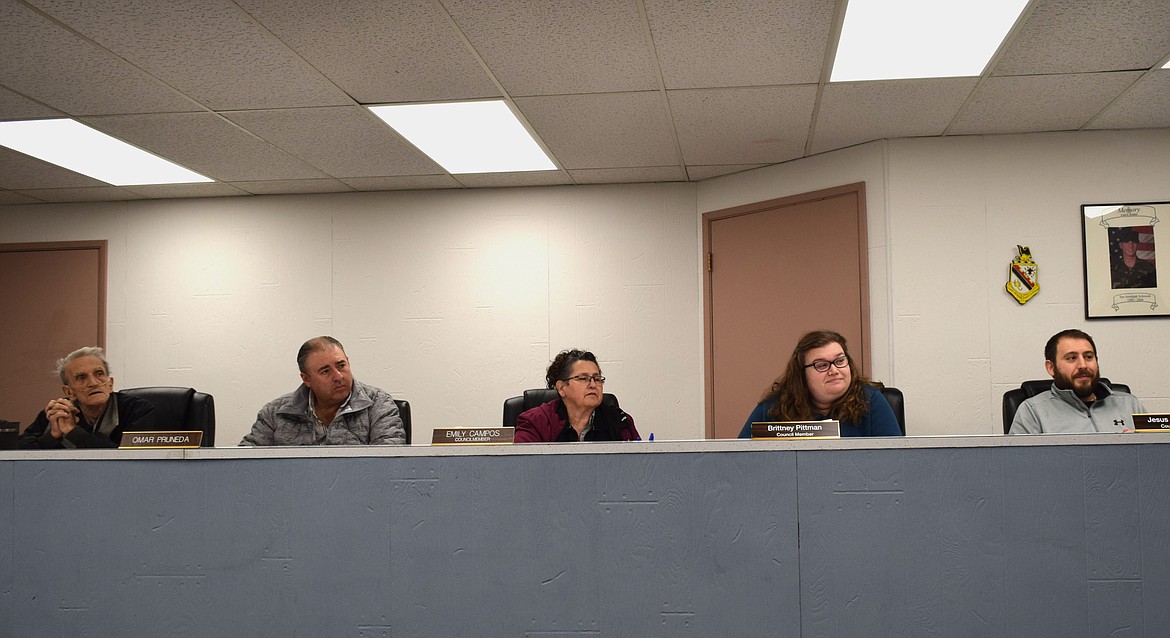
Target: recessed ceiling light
[[898, 39], [468, 137], [77, 147]]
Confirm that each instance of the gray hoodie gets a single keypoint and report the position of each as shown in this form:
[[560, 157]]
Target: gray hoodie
[[1062, 412]]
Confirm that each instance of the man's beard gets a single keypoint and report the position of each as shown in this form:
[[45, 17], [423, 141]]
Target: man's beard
[[1066, 383]]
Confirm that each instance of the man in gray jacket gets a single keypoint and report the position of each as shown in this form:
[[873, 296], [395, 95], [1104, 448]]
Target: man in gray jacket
[[1077, 401], [329, 408]]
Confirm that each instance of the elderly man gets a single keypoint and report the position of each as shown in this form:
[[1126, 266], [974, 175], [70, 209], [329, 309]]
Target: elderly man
[[85, 417], [1077, 401], [329, 408]]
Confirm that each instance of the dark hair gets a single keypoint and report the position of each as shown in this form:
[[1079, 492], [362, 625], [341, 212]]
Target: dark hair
[[790, 392], [316, 344], [1071, 333], [563, 363]]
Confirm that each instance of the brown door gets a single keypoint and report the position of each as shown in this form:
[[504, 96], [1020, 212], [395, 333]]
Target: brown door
[[54, 297], [776, 270]]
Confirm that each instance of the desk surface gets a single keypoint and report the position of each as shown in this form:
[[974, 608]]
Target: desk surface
[[640, 447], [1055, 535]]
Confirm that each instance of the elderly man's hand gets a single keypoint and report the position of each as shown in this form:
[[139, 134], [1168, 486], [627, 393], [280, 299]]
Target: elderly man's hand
[[62, 415]]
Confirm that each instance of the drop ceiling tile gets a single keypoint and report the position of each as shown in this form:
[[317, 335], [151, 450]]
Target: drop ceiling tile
[[95, 194], [724, 43], [500, 180], [12, 198], [1074, 36], [14, 106], [537, 47], [51, 64], [742, 126], [261, 58], [628, 175], [696, 173], [208, 49], [341, 141], [853, 113], [173, 191], [379, 51], [1145, 105], [206, 144], [409, 182], [1038, 103], [289, 186], [22, 172], [615, 130]]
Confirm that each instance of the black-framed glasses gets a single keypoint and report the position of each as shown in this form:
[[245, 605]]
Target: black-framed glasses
[[584, 379], [820, 365]]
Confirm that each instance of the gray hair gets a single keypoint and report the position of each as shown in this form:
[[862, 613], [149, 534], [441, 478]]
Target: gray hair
[[88, 351]]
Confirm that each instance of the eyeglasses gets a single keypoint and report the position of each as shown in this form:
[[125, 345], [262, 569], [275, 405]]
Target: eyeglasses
[[820, 365], [585, 379]]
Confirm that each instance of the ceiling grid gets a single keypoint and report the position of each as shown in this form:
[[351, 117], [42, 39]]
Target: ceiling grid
[[265, 96]]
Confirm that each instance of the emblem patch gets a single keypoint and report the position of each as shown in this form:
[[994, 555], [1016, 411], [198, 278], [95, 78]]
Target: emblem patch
[[1023, 276]]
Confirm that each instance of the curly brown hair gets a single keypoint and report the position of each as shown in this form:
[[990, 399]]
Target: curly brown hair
[[790, 392], [563, 363]]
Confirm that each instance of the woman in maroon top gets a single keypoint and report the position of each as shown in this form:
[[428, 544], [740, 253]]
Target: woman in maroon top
[[579, 413]]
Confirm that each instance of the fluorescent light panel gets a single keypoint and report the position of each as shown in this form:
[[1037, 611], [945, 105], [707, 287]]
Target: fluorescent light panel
[[79, 148], [900, 39], [468, 137]]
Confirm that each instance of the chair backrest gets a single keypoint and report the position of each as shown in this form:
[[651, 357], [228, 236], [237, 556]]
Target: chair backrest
[[404, 413], [898, 403], [515, 406], [183, 408], [1012, 399]]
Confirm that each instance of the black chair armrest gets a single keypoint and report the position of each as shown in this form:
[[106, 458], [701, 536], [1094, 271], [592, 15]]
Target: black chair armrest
[[404, 414]]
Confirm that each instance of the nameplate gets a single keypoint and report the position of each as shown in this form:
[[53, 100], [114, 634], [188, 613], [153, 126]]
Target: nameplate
[[1151, 422], [473, 436], [767, 430], [156, 440]]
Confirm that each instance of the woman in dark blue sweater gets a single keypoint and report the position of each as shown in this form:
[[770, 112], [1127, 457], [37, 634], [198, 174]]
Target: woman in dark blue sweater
[[819, 383]]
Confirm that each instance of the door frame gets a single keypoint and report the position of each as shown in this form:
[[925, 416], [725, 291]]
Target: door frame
[[857, 188], [101, 245]]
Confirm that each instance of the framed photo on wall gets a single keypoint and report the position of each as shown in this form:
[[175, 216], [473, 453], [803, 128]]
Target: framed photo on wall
[[1124, 277]]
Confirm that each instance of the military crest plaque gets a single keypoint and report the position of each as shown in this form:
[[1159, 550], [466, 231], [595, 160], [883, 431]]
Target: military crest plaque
[[1023, 276]]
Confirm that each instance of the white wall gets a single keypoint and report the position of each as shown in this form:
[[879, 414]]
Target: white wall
[[454, 300], [958, 207], [951, 211]]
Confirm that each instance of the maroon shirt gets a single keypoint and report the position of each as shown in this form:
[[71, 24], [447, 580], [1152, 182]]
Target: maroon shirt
[[547, 423]]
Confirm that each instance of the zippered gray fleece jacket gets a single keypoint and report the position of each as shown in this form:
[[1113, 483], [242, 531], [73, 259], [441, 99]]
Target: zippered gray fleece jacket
[[1062, 412]]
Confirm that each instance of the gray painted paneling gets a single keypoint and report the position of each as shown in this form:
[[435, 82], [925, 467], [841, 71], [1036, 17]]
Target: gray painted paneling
[[1062, 540], [7, 542]]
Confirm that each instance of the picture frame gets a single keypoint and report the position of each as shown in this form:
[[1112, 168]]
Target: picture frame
[[1124, 278]]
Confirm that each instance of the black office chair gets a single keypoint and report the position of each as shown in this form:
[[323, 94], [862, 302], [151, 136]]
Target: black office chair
[[180, 409], [897, 402], [404, 413], [1012, 399], [514, 406]]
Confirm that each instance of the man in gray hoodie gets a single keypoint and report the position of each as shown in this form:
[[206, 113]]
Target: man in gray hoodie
[[1078, 401]]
